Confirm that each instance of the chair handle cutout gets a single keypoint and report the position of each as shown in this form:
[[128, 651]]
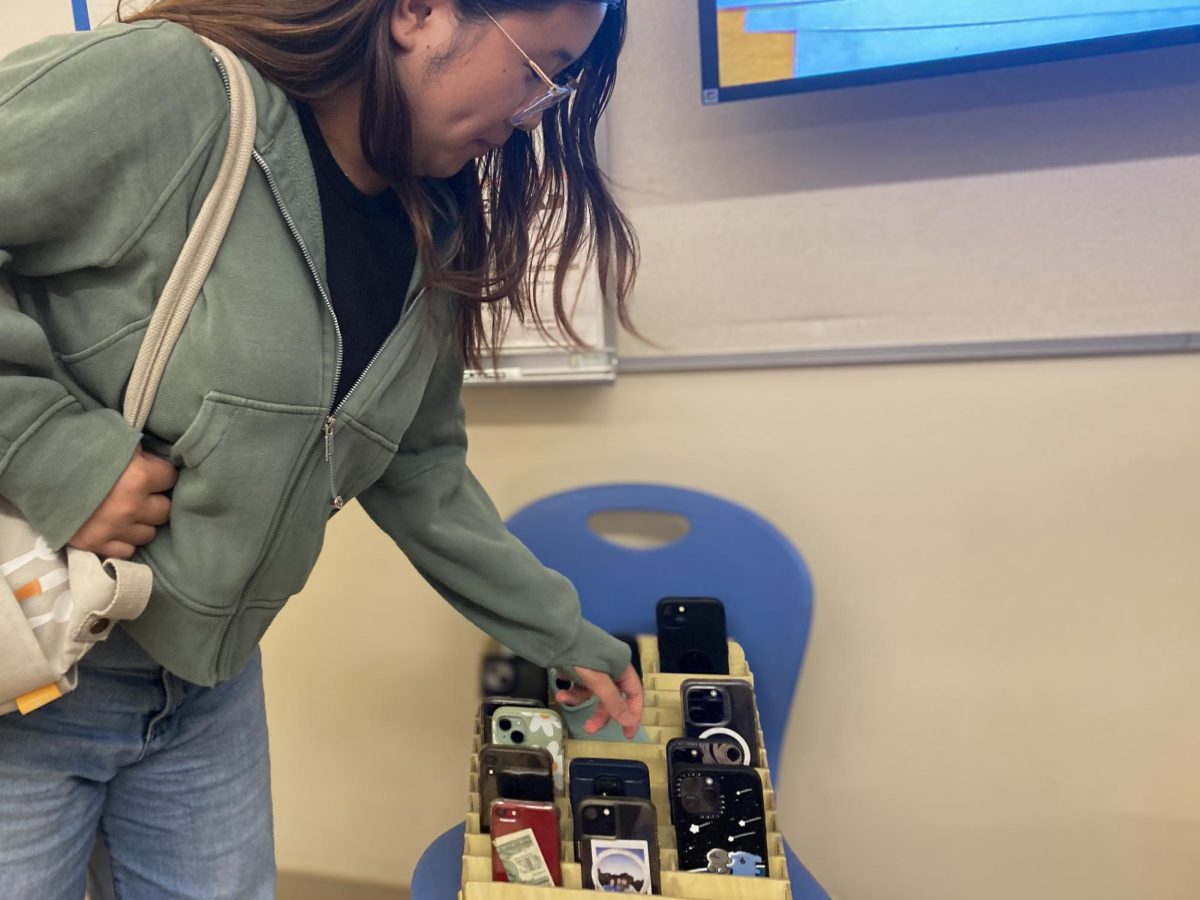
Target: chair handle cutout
[[639, 529]]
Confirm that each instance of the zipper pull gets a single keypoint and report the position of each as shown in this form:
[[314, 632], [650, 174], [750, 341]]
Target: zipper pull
[[330, 422]]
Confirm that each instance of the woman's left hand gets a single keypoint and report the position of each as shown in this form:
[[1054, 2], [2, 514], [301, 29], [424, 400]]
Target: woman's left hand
[[619, 699]]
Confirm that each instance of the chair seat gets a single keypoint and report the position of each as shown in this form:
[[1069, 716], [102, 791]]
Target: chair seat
[[439, 870]]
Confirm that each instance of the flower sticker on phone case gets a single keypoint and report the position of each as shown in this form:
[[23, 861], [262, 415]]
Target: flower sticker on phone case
[[547, 725]]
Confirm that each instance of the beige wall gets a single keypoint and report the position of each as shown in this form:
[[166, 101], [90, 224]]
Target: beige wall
[[1000, 693]]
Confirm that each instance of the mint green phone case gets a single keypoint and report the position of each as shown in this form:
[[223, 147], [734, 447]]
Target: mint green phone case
[[524, 727]]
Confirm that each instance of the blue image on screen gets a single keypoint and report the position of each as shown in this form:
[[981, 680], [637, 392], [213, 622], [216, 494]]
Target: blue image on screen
[[838, 38]]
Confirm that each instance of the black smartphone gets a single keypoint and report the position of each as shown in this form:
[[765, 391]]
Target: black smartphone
[[491, 704], [635, 655], [691, 636], [513, 773], [703, 752], [592, 777], [722, 710], [618, 845], [507, 674], [720, 820]]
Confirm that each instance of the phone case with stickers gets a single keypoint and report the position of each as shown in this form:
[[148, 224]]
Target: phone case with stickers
[[618, 845], [490, 704], [703, 752], [720, 820], [510, 817], [513, 773], [722, 710], [605, 778], [514, 726]]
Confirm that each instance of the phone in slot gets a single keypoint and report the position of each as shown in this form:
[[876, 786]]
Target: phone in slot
[[590, 777], [722, 710], [720, 820], [703, 752], [513, 773], [635, 654], [525, 842], [691, 635], [521, 727], [503, 673], [618, 845], [490, 704]]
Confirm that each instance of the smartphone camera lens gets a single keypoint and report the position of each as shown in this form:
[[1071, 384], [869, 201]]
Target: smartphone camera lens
[[517, 737], [590, 814], [602, 823], [691, 803], [608, 786], [504, 724]]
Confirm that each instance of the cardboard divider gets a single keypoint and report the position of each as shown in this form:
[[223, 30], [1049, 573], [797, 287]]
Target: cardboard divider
[[501, 891], [672, 681], [647, 753], [663, 720], [697, 886]]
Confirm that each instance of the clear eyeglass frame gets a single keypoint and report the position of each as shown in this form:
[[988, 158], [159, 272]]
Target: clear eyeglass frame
[[555, 93]]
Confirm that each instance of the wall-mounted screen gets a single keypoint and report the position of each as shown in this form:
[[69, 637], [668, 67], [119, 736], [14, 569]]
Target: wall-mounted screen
[[758, 48]]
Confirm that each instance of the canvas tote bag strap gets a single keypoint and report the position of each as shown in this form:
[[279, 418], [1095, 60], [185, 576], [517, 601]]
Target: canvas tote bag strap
[[199, 251]]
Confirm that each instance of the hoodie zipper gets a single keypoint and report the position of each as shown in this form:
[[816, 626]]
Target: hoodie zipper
[[331, 419], [330, 422]]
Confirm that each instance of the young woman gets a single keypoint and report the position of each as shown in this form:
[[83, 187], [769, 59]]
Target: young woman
[[394, 187]]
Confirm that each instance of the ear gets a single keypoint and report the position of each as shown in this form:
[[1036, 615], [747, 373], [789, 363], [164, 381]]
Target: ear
[[410, 18]]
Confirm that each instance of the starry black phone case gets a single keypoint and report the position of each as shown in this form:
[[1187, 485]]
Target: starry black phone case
[[720, 820], [683, 752]]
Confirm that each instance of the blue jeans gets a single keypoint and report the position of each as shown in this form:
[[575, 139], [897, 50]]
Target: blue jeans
[[173, 775]]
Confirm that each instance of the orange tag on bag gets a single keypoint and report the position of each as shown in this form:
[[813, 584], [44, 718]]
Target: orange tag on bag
[[38, 698], [25, 591]]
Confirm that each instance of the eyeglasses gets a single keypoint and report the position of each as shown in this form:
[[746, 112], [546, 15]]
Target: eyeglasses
[[555, 93]]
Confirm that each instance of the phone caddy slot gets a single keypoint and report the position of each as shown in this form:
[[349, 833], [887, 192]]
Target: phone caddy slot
[[747, 863]]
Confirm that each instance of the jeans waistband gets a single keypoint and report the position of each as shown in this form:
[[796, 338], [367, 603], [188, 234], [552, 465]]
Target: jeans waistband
[[119, 651]]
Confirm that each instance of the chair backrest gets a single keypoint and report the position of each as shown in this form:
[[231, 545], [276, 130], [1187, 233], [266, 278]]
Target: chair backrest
[[728, 552]]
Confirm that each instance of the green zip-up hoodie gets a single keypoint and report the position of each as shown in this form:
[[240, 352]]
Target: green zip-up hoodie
[[109, 143]]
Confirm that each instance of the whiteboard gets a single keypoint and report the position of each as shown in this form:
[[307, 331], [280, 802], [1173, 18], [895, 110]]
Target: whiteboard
[[1041, 210], [529, 356]]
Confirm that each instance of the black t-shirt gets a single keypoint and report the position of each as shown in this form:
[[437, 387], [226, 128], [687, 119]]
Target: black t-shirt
[[369, 256]]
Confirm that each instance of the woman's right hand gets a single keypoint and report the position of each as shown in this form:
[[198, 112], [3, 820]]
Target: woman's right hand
[[129, 515]]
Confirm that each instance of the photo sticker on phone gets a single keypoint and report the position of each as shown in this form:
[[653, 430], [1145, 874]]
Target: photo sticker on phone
[[621, 867]]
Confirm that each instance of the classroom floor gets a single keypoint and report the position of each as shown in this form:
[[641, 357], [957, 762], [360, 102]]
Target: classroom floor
[[293, 886]]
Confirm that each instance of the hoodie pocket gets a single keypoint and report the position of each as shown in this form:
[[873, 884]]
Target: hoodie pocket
[[241, 461]]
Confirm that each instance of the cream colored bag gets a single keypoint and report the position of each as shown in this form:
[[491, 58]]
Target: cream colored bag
[[55, 606]]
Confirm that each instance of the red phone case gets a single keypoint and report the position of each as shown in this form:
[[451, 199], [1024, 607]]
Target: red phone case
[[508, 816]]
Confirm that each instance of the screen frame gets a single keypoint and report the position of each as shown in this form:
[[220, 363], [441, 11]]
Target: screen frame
[[712, 93]]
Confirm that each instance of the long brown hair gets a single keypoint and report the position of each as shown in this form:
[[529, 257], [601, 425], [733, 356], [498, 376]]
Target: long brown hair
[[313, 48]]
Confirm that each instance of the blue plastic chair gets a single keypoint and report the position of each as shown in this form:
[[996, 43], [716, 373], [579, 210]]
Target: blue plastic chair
[[728, 552]]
